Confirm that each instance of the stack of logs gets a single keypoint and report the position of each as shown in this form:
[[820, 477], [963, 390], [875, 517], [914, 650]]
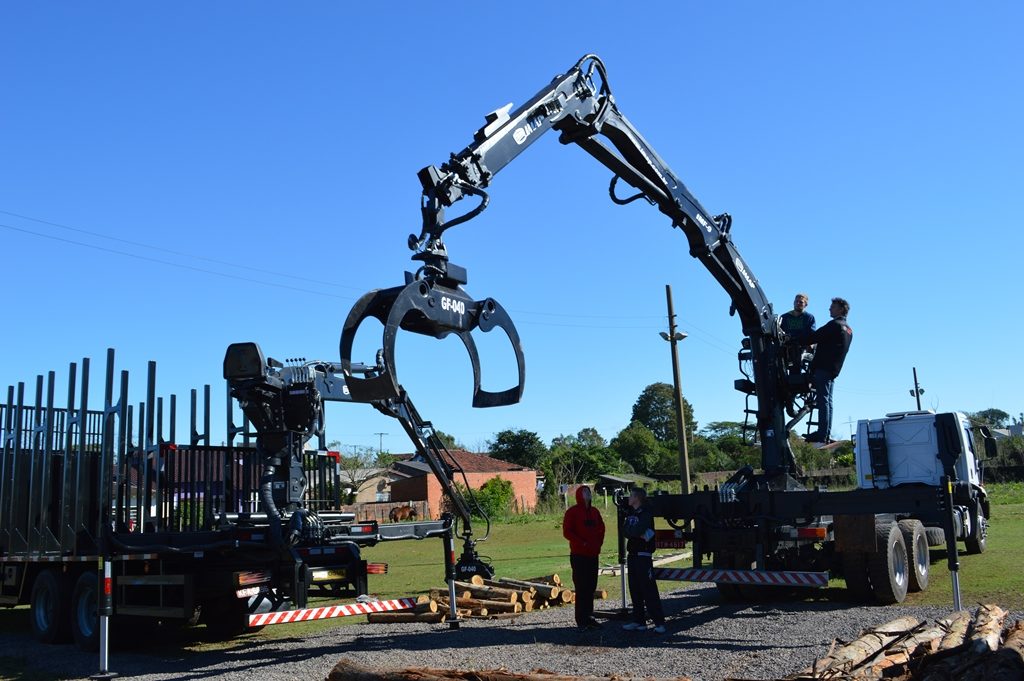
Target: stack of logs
[[500, 598], [959, 647]]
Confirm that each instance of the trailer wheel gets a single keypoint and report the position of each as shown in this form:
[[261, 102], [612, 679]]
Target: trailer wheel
[[50, 614], [85, 621], [855, 572], [978, 536], [888, 566], [936, 536], [917, 552]]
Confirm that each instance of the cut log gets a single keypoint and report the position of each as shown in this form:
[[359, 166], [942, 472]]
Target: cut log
[[987, 628], [600, 595], [403, 617], [438, 594], [870, 642], [526, 593], [540, 589], [478, 612], [489, 593], [476, 604], [956, 632], [423, 598], [429, 606], [477, 580], [554, 580], [1014, 638], [901, 652], [567, 596], [348, 670]]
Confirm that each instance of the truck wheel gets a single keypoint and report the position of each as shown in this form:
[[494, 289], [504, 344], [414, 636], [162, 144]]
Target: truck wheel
[[85, 621], [51, 607], [978, 536], [917, 552], [888, 566], [730, 593], [855, 572], [936, 536]]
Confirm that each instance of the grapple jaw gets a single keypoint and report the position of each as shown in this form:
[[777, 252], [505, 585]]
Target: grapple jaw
[[430, 308]]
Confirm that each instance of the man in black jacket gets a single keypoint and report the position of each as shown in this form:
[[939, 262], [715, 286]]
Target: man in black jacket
[[833, 341], [638, 527]]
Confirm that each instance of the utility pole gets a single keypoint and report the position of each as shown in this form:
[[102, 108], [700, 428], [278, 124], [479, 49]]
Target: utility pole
[[380, 446], [917, 391], [673, 337]]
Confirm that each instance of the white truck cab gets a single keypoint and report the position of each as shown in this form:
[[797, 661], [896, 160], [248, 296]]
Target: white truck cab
[[914, 448], [903, 448]]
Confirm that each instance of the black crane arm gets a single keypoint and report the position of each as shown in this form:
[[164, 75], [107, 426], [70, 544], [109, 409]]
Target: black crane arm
[[580, 106]]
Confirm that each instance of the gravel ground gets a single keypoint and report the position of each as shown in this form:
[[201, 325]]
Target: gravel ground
[[707, 640]]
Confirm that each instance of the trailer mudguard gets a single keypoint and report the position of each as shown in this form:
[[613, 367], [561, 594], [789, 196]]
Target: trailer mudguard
[[432, 309]]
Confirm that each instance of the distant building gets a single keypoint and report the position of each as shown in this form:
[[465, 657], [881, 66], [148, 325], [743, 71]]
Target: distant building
[[412, 480]]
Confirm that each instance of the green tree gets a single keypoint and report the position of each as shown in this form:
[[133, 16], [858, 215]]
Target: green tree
[[637, 446], [522, 447], [449, 441], [580, 457], [655, 408], [494, 498], [996, 418], [706, 456], [719, 429]]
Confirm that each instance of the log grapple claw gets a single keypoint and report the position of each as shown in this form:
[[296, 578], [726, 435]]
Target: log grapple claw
[[433, 309]]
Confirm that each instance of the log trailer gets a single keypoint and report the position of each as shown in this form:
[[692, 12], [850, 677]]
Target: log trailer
[[760, 528], [101, 513]]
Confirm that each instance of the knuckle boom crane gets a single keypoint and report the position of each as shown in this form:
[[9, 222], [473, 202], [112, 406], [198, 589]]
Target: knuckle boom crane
[[758, 528]]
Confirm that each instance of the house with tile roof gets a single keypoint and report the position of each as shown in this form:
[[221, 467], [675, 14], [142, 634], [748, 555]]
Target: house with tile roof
[[411, 480]]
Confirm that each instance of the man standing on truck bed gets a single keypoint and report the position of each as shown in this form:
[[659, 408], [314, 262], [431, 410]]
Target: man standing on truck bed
[[833, 341]]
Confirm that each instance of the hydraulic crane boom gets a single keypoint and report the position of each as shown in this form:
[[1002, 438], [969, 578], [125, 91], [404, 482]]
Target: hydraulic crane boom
[[580, 106]]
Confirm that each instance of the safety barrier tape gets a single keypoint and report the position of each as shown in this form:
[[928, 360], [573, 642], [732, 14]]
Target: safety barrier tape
[[771, 578], [330, 611]]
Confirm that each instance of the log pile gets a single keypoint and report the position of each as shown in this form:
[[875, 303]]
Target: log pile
[[481, 598], [982, 647]]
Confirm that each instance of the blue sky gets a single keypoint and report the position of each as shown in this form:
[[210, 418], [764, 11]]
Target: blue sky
[[178, 176]]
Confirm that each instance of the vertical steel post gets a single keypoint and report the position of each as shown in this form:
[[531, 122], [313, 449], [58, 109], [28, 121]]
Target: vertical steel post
[[449, 574], [105, 608]]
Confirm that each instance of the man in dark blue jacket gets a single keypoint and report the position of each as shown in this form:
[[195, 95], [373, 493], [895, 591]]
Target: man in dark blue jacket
[[833, 341], [638, 527]]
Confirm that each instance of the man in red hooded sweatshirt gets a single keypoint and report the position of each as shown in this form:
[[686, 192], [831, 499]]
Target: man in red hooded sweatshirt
[[584, 528]]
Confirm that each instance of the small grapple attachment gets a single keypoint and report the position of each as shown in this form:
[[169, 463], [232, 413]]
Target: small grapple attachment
[[431, 308]]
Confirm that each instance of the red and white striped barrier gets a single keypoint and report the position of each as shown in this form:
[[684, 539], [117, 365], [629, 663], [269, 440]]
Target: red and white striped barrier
[[329, 612], [770, 578]]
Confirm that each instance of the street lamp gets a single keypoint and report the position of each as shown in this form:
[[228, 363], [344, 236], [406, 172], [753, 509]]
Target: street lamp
[[673, 337], [917, 391]]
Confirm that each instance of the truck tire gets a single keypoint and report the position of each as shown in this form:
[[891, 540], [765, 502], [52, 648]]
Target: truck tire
[[50, 607], [85, 620], [888, 566], [978, 536], [917, 553], [855, 572], [936, 536], [730, 593]]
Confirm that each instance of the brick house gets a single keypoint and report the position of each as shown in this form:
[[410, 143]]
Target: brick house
[[411, 480]]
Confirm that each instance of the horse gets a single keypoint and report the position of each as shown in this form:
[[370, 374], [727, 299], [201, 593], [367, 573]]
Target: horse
[[400, 513]]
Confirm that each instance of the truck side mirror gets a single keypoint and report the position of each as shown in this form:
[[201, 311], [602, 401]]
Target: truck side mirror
[[991, 449]]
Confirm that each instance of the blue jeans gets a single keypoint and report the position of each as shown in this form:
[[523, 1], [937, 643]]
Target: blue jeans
[[822, 382]]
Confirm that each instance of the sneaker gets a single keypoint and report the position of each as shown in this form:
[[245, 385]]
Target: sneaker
[[660, 629], [634, 626]]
